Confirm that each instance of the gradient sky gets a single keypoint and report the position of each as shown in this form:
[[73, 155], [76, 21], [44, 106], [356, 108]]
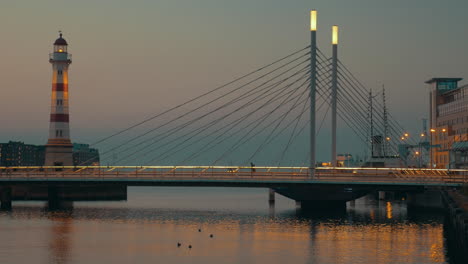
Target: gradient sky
[[135, 58]]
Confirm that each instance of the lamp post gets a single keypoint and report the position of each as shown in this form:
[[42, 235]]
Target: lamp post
[[334, 91], [313, 79], [431, 148]]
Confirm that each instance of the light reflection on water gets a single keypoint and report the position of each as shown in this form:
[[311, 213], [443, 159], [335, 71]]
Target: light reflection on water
[[246, 229]]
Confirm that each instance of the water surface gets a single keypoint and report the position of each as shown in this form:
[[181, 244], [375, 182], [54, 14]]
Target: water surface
[[245, 229]]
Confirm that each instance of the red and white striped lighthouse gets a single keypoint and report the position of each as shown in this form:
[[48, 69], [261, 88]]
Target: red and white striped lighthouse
[[59, 147]]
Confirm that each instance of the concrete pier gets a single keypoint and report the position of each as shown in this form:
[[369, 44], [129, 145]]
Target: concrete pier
[[381, 195], [456, 224], [327, 198], [55, 198], [271, 196], [60, 196], [6, 198]]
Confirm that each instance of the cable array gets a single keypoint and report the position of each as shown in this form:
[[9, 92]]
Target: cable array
[[246, 115], [260, 116]]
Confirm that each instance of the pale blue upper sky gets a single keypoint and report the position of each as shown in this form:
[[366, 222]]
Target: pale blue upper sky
[[134, 58]]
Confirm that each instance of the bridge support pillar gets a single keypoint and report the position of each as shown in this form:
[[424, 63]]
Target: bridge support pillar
[[313, 88], [271, 196], [6, 198], [381, 195], [55, 199]]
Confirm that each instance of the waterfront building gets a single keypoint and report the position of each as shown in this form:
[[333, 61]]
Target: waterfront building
[[83, 155], [59, 146], [19, 154], [448, 123], [345, 160], [15, 153]]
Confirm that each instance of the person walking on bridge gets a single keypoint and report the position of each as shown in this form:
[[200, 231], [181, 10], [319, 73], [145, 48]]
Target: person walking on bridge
[[253, 166]]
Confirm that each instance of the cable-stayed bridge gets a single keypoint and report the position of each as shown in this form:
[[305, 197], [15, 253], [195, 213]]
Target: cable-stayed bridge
[[259, 130], [263, 115]]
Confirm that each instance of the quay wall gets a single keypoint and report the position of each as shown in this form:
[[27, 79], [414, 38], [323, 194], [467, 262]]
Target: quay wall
[[456, 224]]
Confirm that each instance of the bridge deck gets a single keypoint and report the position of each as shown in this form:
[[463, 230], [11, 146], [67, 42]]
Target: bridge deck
[[233, 176]]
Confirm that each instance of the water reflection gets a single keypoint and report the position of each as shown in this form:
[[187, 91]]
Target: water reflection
[[389, 210], [368, 231], [60, 236]]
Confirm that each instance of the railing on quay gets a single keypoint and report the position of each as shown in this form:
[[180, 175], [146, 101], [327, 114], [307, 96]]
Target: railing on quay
[[235, 173]]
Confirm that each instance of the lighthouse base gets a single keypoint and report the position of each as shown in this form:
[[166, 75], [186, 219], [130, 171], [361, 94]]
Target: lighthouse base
[[59, 155]]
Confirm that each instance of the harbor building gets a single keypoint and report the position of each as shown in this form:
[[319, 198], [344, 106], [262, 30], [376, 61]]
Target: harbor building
[[83, 155], [448, 123], [15, 153]]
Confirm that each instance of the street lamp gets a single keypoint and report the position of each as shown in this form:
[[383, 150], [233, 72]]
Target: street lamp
[[419, 158]]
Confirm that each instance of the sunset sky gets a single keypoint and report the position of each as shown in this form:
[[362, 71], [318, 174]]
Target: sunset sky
[[135, 58]]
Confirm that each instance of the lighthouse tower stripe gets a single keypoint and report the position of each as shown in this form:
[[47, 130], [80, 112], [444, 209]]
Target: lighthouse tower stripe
[[59, 87], [59, 118]]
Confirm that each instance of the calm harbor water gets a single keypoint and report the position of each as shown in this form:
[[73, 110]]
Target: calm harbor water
[[147, 228]]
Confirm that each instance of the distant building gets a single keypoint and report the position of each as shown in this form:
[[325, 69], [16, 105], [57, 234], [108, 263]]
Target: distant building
[[13, 154], [448, 123], [83, 155], [345, 160], [19, 154]]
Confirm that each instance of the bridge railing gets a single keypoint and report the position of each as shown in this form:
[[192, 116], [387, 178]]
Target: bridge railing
[[219, 173]]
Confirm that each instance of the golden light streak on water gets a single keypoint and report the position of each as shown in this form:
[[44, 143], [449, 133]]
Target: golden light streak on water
[[389, 210]]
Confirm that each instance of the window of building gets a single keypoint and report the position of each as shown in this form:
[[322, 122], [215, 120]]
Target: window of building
[[446, 86]]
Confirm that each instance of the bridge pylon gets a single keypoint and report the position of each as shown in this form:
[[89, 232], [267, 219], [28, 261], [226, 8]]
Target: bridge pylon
[[334, 92], [313, 87]]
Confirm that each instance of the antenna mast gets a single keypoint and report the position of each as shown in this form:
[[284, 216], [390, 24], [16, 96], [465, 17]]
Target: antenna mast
[[385, 121], [371, 121]]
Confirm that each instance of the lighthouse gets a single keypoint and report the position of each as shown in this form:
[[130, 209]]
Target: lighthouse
[[59, 147]]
